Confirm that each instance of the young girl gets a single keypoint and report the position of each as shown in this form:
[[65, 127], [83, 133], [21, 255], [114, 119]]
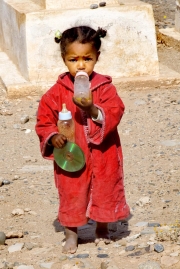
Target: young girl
[[95, 192]]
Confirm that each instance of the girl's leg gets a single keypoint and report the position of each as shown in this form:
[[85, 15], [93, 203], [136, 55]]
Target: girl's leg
[[71, 240], [102, 233]]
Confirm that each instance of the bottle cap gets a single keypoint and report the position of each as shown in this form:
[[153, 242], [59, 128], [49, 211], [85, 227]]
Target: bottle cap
[[65, 114], [81, 73]]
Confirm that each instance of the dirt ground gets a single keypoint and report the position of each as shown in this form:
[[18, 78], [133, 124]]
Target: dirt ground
[[150, 136]]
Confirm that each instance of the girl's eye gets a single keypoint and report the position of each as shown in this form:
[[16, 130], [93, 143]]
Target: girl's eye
[[88, 59], [72, 60]]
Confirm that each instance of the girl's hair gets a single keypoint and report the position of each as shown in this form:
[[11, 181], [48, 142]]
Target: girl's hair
[[82, 34]]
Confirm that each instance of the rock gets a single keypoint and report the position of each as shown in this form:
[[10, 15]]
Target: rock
[[24, 119], [149, 230], [16, 177], [149, 265], [17, 212], [25, 267], [130, 248], [16, 247], [143, 201], [174, 254], [93, 6], [46, 265], [102, 256], [14, 234], [102, 4], [82, 256], [158, 248], [27, 131], [6, 182], [133, 237], [169, 261], [29, 246], [1, 182], [2, 238], [141, 224], [154, 224]]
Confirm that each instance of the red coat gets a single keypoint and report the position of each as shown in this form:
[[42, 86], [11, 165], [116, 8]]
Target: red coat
[[97, 191]]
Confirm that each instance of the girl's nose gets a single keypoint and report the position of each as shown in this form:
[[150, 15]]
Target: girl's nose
[[81, 65]]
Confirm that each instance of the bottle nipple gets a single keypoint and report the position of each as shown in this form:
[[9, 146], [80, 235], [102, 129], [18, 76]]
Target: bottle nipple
[[65, 114], [64, 109]]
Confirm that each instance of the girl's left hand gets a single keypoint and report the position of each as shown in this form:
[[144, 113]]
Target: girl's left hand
[[87, 105]]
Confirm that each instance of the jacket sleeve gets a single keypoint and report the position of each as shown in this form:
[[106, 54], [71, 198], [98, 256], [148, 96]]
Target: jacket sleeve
[[112, 109], [46, 126]]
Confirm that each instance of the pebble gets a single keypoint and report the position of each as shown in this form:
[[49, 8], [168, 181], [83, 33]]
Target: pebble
[[2, 238], [82, 256], [130, 248], [154, 224], [149, 230], [46, 265], [18, 212], [93, 6], [158, 248], [102, 256], [102, 4], [143, 201], [16, 247], [24, 119], [141, 224], [6, 182], [149, 265]]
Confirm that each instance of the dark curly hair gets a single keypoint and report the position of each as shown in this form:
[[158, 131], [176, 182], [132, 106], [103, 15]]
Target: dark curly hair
[[82, 34]]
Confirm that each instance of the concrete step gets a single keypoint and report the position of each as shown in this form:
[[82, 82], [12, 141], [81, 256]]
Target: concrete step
[[25, 6], [16, 86]]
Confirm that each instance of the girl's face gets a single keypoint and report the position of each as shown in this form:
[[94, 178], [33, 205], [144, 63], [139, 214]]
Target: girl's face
[[80, 57]]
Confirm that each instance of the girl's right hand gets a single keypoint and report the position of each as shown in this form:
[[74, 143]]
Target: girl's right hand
[[58, 140]]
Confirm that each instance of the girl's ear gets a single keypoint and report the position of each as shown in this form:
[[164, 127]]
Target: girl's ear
[[97, 57]]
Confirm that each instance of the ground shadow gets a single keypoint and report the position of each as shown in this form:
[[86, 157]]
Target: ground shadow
[[86, 234]]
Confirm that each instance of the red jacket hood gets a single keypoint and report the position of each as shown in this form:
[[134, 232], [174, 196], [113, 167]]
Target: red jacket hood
[[96, 80]]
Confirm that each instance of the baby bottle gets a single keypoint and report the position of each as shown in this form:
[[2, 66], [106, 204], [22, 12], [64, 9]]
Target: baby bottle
[[66, 124], [81, 86]]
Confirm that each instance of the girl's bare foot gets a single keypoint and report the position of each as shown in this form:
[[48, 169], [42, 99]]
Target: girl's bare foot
[[102, 233], [71, 240]]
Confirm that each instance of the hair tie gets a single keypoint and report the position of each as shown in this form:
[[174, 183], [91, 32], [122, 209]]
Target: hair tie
[[58, 35]]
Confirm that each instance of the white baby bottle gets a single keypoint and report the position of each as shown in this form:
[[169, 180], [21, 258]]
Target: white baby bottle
[[66, 124], [81, 86]]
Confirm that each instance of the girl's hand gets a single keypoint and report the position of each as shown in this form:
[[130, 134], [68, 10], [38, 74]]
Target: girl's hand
[[58, 140], [87, 105]]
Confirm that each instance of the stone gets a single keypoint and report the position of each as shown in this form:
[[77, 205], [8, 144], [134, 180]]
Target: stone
[[15, 247], [142, 224], [82, 256], [93, 6], [148, 230], [158, 248], [6, 182], [130, 248], [17, 212], [2, 238], [102, 4], [102, 256], [25, 267], [24, 119], [14, 234], [154, 224], [149, 265], [169, 261], [143, 201], [46, 265]]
